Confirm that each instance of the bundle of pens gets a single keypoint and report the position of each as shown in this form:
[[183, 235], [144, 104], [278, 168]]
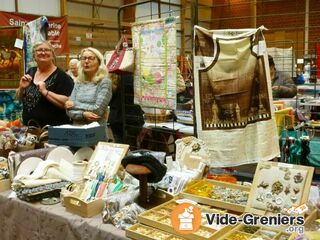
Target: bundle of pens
[[101, 187]]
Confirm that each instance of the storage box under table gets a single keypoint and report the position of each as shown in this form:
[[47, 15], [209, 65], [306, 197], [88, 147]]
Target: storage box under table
[[76, 136]]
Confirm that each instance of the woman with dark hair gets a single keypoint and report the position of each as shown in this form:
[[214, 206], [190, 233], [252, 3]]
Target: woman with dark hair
[[44, 89], [282, 84]]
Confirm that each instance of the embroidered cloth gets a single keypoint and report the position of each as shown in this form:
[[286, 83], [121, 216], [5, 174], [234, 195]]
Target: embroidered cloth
[[233, 96], [156, 60]]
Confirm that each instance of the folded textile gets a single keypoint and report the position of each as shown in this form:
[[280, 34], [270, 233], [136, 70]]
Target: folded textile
[[30, 183], [44, 170], [37, 193]]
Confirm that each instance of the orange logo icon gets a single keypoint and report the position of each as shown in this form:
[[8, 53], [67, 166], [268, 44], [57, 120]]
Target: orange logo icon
[[186, 218]]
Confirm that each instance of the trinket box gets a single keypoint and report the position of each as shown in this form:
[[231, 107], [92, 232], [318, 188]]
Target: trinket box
[[103, 165], [218, 194], [84, 209], [160, 218], [279, 188]]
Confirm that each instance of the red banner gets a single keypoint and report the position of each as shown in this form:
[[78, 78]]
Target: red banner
[[318, 60], [57, 31]]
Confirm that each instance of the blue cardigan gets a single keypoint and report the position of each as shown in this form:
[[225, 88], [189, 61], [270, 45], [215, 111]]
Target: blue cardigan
[[90, 97]]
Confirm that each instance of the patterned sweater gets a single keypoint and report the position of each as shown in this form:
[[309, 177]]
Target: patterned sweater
[[92, 97]]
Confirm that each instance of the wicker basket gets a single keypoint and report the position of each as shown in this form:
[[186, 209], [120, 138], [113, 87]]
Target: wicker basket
[[23, 148], [5, 152], [156, 118]]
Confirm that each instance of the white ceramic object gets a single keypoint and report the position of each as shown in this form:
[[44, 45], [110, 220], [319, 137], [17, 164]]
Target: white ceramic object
[[28, 165], [60, 153], [83, 153]]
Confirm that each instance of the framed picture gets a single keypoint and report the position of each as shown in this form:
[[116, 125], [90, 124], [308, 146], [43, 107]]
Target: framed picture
[[106, 160], [11, 57]]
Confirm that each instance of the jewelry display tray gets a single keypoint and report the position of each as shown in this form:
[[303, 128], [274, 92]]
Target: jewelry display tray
[[159, 219], [278, 181], [149, 233], [215, 202], [155, 218]]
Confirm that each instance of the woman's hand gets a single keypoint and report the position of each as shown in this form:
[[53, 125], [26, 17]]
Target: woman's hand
[[90, 116], [42, 88], [25, 81], [69, 104]]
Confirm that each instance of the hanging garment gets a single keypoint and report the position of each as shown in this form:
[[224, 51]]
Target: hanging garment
[[33, 31], [233, 96], [156, 63]]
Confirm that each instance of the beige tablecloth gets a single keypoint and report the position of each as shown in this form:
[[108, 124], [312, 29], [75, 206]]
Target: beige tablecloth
[[20, 220]]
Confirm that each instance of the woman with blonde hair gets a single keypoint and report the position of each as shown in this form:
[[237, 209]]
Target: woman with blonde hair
[[92, 92], [44, 89]]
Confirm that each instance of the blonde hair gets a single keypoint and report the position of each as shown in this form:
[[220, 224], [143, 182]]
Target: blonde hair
[[101, 72], [38, 43]]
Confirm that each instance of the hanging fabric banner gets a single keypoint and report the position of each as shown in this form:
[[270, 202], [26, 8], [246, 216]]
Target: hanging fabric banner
[[33, 31], [233, 96], [156, 61], [318, 60], [57, 29]]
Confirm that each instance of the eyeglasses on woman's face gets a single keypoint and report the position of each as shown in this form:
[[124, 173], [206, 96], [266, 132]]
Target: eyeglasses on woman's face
[[89, 58], [43, 50]]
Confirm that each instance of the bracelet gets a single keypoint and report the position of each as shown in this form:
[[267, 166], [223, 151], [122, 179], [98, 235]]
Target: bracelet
[[47, 93]]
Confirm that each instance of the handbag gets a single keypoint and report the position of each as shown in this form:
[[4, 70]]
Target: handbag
[[121, 60]]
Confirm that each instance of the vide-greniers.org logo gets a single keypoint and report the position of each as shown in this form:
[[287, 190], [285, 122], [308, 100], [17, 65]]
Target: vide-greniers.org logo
[[250, 219], [186, 218]]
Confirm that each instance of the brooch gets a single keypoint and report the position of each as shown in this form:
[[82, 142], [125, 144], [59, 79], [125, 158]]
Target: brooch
[[277, 187], [298, 178], [196, 147], [263, 185]]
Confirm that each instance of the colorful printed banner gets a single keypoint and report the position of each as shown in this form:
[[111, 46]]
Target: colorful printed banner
[[233, 96], [318, 60], [11, 57], [57, 29], [10, 107], [156, 63]]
